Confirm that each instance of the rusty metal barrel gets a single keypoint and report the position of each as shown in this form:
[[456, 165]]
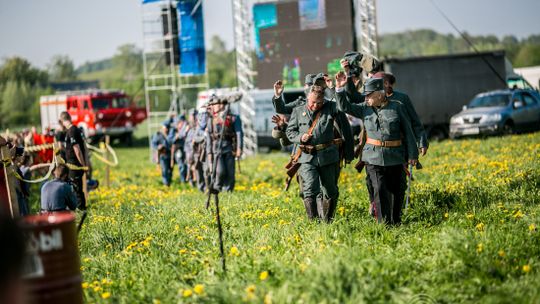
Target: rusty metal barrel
[[52, 271]]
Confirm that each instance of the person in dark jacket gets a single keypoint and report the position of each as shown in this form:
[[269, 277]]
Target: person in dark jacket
[[58, 194]]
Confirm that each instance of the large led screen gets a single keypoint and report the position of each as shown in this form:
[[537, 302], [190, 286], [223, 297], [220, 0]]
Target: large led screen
[[294, 38]]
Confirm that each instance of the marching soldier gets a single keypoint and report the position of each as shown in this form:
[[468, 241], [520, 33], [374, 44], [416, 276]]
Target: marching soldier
[[231, 144], [311, 127], [385, 121], [177, 138], [416, 123], [163, 147]]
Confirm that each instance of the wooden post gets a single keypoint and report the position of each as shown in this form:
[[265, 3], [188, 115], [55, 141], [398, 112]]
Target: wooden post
[[107, 167], [8, 197]]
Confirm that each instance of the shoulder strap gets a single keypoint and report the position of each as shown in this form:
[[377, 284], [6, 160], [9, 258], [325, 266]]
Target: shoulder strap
[[314, 123]]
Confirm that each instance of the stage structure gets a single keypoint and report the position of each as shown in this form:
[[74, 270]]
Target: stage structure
[[366, 22], [173, 57], [296, 37], [244, 71]]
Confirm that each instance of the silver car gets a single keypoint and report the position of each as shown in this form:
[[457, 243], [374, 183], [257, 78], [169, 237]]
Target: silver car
[[498, 112]]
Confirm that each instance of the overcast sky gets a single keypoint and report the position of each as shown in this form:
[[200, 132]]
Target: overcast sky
[[87, 30]]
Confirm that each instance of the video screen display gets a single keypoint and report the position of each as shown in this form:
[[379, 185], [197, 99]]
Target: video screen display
[[294, 38]]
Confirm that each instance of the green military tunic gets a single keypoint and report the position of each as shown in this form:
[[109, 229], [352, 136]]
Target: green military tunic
[[384, 124], [320, 169], [384, 164], [416, 124]]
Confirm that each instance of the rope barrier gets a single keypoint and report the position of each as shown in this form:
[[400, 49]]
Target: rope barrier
[[59, 160], [39, 147], [102, 150]]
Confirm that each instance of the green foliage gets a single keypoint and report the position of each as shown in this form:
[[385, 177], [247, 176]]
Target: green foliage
[[20, 70], [62, 68], [428, 42], [221, 65], [471, 235], [21, 85]]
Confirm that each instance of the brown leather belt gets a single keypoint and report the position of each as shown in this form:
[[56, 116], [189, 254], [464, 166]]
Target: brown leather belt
[[386, 143], [310, 149]]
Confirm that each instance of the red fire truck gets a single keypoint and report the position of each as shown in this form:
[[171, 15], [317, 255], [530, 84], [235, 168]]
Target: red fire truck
[[97, 112]]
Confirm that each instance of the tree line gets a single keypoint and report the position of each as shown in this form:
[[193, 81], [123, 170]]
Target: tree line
[[21, 84]]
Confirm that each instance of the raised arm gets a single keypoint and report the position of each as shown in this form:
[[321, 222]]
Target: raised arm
[[342, 99]]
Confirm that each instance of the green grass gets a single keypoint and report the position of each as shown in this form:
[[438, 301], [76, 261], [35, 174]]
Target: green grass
[[469, 236]]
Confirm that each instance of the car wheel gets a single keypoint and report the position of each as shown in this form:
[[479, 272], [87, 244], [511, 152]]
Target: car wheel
[[436, 134], [508, 128]]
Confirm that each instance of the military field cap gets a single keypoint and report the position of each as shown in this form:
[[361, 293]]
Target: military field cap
[[353, 57], [372, 85], [318, 77], [309, 79], [370, 63]]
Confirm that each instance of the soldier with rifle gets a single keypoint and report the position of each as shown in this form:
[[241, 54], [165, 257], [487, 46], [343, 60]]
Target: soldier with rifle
[[224, 143], [200, 165], [177, 138], [163, 147], [388, 129]]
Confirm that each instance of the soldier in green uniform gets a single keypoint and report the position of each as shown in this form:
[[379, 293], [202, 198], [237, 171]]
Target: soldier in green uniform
[[311, 127], [385, 122], [416, 123]]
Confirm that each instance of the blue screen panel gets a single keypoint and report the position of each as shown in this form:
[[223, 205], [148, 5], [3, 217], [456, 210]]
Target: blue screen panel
[[264, 16], [191, 38]]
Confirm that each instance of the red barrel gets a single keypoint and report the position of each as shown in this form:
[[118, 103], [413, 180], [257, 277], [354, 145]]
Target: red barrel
[[52, 270]]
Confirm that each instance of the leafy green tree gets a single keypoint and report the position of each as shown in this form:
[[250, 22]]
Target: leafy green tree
[[61, 68], [17, 98], [528, 55], [20, 70], [221, 64]]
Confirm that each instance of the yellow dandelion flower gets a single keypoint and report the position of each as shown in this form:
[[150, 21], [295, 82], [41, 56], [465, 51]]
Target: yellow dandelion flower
[[480, 248], [187, 293], [532, 227], [234, 251], [86, 260], [480, 227], [105, 295], [182, 251], [263, 275], [250, 289], [526, 268], [470, 216], [199, 289], [85, 285], [97, 288], [156, 301], [267, 299], [502, 254], [518, 214], [446, 215]]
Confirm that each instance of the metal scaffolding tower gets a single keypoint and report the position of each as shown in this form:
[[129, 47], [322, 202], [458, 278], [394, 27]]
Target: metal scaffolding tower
[[366, 22], [244, 70], [162, 81]]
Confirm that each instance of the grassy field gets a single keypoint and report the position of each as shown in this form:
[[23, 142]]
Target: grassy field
[[469, 236]]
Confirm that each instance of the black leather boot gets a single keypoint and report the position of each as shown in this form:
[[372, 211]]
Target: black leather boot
[[327, 209], [311, 207]]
